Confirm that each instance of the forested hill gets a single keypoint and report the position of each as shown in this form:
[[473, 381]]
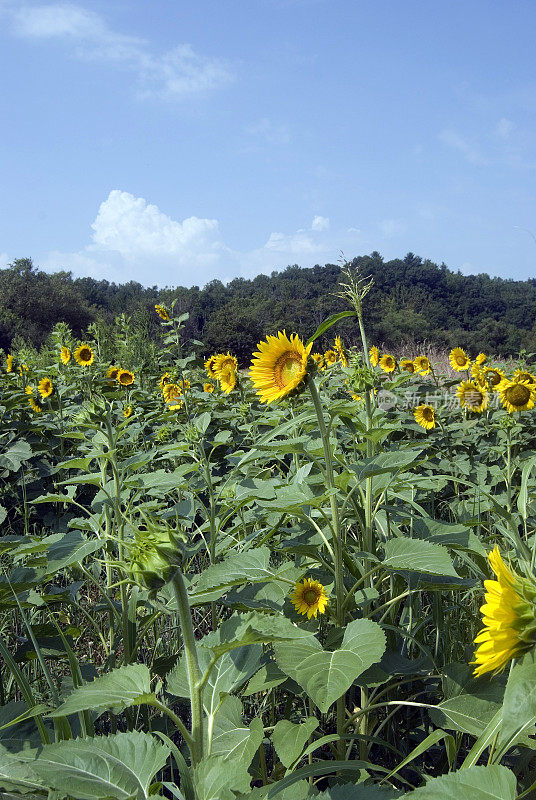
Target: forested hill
[[412, 300]]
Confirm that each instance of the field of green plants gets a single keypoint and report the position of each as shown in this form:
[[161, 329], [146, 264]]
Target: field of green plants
[[265, 580]]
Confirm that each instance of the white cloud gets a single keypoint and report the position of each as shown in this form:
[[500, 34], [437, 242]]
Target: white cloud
[[470, 152], [178, 72], [320, 224], [504, 128], [298, 243], [392, 227], [269, 131]]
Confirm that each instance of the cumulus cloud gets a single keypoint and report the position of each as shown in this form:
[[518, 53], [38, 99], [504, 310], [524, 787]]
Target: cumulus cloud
[[320, 224], [175, 73]]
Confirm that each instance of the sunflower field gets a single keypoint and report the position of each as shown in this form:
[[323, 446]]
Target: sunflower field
[[312, 575]]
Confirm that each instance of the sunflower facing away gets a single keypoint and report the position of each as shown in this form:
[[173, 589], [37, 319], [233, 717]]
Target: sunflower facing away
[[112, 372], [422, 365], [309, 598], [279, 366], [65, 355], [166, 378], [33, 405], [407, 365], [374, 356], [84, 355], [387, 363], [517, 395], [227, 379], [472, 396], [127, 412], [478, 375], [480, 359], [459, 360], [162, 313], [210, 364], [172, 392], [45, 387], [425, 416], [341, 352], [125, 377], [318, 358], [9, 363], [508, 616]]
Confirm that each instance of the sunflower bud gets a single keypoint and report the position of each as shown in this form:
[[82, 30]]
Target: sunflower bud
[[154, 556]]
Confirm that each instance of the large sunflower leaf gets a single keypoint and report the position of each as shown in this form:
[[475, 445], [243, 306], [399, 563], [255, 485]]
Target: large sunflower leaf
[[418, 555], [475, 783], [121, 688], [324, 675], [290, 739]]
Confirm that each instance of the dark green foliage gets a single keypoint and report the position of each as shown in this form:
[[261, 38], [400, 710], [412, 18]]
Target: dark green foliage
[[411, 301]]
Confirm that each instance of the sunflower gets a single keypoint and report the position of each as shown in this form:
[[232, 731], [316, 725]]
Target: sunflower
[[45, 387], [524, 375], [166, 378], [459, 360], [341, 352], [472, 396], [162, 313], [309, 598], [318, 358], [517, 395], [407, 365], [65, 355], [208, 387], [172, 392], [127, 412], [227, 379], [223, 360], [508, 616], [84, 355], [33, 405], [9, 363], [210, 364], [478, 375], [184, 385], [480, 359], [387, 363], [422, 365], [493, 376], [112, 372], [425, 416], [23, 368], [125, 377], [279, 366], [374, 356], [330, 357], [357, 397]]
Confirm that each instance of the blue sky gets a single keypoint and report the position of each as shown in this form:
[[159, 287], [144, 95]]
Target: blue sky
[[174, 142]]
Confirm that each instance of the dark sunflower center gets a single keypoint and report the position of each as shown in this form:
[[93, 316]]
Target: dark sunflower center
[[310, 596], [460, 360], [428, 414], [287, 368], [518, 395], [85, 354], [526, 376], [474, 398], [494, 378], [409, 367]]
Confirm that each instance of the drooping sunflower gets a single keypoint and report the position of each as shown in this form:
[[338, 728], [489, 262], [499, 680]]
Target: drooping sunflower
[[125, 377], [172, 392], [279, 366], [472, 396], [127, 412], [517, 395], [166, 378], [84, 355], [508, 616], [425, 416], [478, 375], [210, 364], [524, 375], [341, 352], [208, 387], [422, 365], [224, 360], [459, 360], [407, 365], [387, 363], [31, 401], [65, 355], [45, 387], [309, 598], [374, 356], [493, 376], [330, 358], [227, 379], [112, 372], [162, 313], [9, 363], [480, 359]]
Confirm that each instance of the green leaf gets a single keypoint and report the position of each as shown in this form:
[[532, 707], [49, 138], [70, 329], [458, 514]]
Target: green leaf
[[231, 737], [417, 555], [392, 461], [15, 455], [120, 688], [465, 713], [251, 566], [331, 320], [324, 675], [121, 766], [350, 791], [519, 704], [290, 739], [71, 549], [475, 783], [216, 778], [16, 774]]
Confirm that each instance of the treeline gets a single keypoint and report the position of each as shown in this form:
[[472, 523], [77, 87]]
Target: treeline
[[412, 300]]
